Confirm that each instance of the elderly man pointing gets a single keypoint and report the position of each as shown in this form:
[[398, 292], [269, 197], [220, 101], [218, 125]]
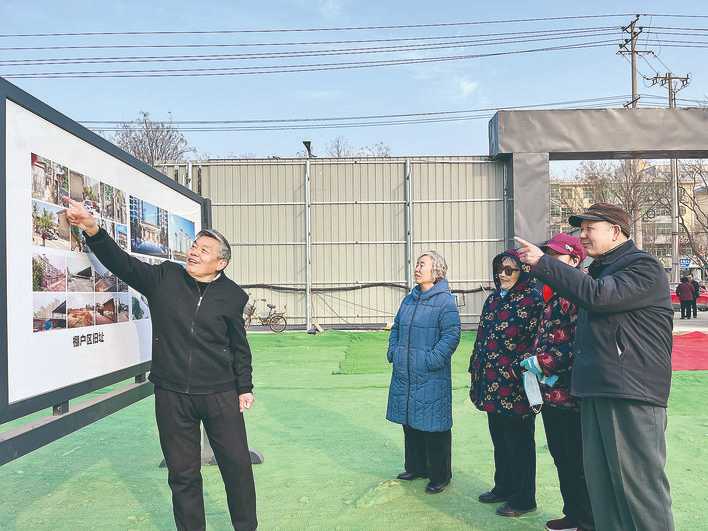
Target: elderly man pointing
[[622, 370], [201, 366]]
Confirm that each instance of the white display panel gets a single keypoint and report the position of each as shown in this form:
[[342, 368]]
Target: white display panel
[[57, 292]]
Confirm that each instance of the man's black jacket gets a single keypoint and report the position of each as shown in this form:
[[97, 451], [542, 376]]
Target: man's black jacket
[[624, 333], [696, 288], [199, 343]]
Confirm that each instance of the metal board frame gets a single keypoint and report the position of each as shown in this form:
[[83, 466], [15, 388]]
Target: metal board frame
[[31, 405], [25, 439]]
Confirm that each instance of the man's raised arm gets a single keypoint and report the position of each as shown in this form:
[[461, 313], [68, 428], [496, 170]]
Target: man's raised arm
[[623, 291], [138, 275]]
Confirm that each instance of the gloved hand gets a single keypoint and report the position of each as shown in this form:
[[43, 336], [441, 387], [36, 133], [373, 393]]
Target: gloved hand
[[531, 365], [550, 381]]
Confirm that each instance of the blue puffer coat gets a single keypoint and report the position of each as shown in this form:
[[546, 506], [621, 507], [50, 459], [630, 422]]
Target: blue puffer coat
[[425, 333]]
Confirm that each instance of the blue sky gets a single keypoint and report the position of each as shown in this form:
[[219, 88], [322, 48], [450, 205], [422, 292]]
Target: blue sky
[[149, 213], [468, 84], [177, 222], [50, 209]]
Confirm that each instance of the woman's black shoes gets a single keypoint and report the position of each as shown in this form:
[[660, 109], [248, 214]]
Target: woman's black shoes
[[410, 476], [432, 488]]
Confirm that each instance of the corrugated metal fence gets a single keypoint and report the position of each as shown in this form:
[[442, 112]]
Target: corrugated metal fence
[[344, 233]]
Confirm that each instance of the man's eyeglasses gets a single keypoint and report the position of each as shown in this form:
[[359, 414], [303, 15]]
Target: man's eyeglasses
[[507, 270]]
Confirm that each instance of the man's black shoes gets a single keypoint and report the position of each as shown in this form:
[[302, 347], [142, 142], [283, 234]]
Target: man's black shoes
[[490, 497], [410, 476], [508, 510]]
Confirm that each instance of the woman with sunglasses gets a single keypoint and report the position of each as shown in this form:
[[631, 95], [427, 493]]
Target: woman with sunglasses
[[505, 336]]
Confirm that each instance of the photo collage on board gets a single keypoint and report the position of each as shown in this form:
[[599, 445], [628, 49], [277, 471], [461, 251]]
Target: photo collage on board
[[71, 288]]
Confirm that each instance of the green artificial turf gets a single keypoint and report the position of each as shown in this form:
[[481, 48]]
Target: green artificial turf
[[330, 455]]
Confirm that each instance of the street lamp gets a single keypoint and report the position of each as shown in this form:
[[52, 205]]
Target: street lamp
[[308, 148]]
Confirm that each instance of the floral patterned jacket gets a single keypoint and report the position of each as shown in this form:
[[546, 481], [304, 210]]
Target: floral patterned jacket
[[553, 348], [506, 332]]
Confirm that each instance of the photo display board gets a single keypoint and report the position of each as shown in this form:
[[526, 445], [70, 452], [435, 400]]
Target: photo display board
[[70, 323]]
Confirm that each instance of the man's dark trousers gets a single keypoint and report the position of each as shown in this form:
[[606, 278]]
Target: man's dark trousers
[[565, 443], [624, 453], [693, 307], [178, 416], [686, 309], [514, 458]]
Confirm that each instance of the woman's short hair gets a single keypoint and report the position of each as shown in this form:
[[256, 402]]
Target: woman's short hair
[[439, 264]]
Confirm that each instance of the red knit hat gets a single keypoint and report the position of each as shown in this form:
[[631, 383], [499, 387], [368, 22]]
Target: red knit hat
[[566, 244]]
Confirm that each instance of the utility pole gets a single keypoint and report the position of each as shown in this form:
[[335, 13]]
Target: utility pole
[[308, 241], [674, 84], [629, 47], [633, 31]]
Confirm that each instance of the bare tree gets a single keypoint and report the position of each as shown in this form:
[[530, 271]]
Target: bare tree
[[597, 173], [627, 184], [645, 192], [376, 150], [635, 190], [152, 142], [340, 147], [592, 175], [696, 205]]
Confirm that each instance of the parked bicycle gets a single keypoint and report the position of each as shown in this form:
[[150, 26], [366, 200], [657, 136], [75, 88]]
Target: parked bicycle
[[274, 320]]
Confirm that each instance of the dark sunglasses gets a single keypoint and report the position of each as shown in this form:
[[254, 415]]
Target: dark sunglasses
[[507, 270]]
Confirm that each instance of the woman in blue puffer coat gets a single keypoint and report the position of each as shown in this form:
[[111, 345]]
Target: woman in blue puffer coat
[[424, 336]]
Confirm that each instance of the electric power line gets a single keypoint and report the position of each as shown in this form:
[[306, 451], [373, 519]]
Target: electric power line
[[656, 56], [366, 121], [289, 54], [681, 28], [276, 69], [553, 31], [296, 30], [664, 15], [373, 116], [684, 44], [649, 65]]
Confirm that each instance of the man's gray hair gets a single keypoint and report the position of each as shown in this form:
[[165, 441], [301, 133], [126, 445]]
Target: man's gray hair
[[224, 246], [439, 264]]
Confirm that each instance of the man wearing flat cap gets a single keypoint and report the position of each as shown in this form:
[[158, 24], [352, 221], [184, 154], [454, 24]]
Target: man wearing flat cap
[[622, 368], [551, 360]]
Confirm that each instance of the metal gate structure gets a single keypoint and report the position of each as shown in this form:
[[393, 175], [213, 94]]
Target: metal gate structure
[[336, 239], [529, 140]]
